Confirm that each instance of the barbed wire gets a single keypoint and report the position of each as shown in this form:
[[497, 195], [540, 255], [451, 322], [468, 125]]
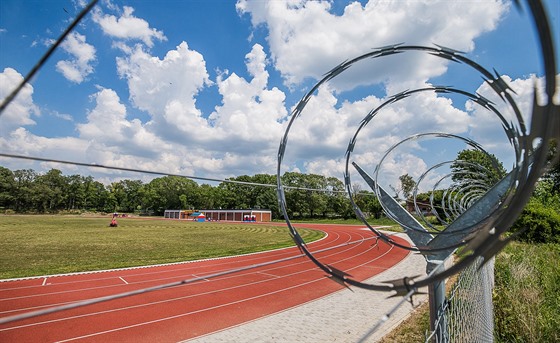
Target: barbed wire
[[46, 56], [480, 234], [478, 224], [83, 303], [161, 173]]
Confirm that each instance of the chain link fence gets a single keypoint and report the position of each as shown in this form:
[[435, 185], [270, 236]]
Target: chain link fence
[[467, 313]]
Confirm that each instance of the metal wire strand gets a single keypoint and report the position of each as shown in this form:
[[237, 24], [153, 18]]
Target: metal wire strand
[[46, 56]]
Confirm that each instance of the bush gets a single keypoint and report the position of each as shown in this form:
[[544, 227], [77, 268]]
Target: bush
[[540, 224]]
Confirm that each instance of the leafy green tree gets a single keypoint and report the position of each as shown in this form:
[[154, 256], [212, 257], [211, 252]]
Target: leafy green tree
[[224, 197], [476, 165], [265, 197], [98, 196], [407, 185], [126, 194], [55, 185], [147, 194], [75, 192], [158, 196], [24, 179], [91, 190], [337, 199], [317, 200], [240, 195], [131, 190], [307, 194], [46, 191], [117, 197], [208, 196], [538, 223], [7, 188], [183, 200], [545, 194], [111, 203], [296, 199], [368, 203], [164, 193]]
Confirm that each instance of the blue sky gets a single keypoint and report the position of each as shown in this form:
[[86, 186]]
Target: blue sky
[[205, 88]]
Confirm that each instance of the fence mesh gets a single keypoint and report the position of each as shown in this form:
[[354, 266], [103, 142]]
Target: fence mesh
[[467, 314]]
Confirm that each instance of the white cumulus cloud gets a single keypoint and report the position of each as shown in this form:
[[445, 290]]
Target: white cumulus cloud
[[20, 111], [82, 55], [306, 38], [127, 26]]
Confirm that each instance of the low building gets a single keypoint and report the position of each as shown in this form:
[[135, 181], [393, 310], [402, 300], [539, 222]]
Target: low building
[[424, 207], [225, 215], [177, 214]]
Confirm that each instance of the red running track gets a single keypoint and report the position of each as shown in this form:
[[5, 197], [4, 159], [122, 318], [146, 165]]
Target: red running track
[[194, 309]]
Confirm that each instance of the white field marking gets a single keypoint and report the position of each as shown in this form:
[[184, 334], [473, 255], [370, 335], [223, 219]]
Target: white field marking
[[123, 280], [192, 296], [249, 256], [333, 247], [198, 311], [138, 282], [44, 282], [158, 265], [240, 274], [175, 277], [337, 235], [375, 227], [161, 279], [187, 314], [179, 276], [198, 276], [187, 263], [120, 285], [156, 302], [268, 274]]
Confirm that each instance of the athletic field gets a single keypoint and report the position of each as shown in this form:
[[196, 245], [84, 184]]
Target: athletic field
[[32, 245]]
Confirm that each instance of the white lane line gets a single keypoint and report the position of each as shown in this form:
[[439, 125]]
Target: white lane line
[[178, 276], [274, 251], [189, 313], [228, 260], [227, 277], [123, 280], [209, 308], [144, 281], [190, 296], [196, 295], [330, 248], [215, 279], [198, 276], [270, 275]]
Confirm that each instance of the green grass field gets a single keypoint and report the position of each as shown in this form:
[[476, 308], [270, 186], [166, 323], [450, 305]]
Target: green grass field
[[43, 245]]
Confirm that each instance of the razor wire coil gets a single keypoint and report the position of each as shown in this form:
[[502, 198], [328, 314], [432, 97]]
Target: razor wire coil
[[483, 236], [477, 214]]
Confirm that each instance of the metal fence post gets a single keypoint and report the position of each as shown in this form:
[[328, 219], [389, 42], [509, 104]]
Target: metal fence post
[[436, 298]]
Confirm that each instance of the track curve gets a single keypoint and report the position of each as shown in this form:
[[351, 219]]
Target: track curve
[[195, 309]]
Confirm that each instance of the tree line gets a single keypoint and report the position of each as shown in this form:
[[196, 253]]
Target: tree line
[[307, 195], [27, 191]]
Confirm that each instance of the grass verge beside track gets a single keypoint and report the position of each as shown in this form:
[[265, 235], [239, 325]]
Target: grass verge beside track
[[526, 298], [42, 245]]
